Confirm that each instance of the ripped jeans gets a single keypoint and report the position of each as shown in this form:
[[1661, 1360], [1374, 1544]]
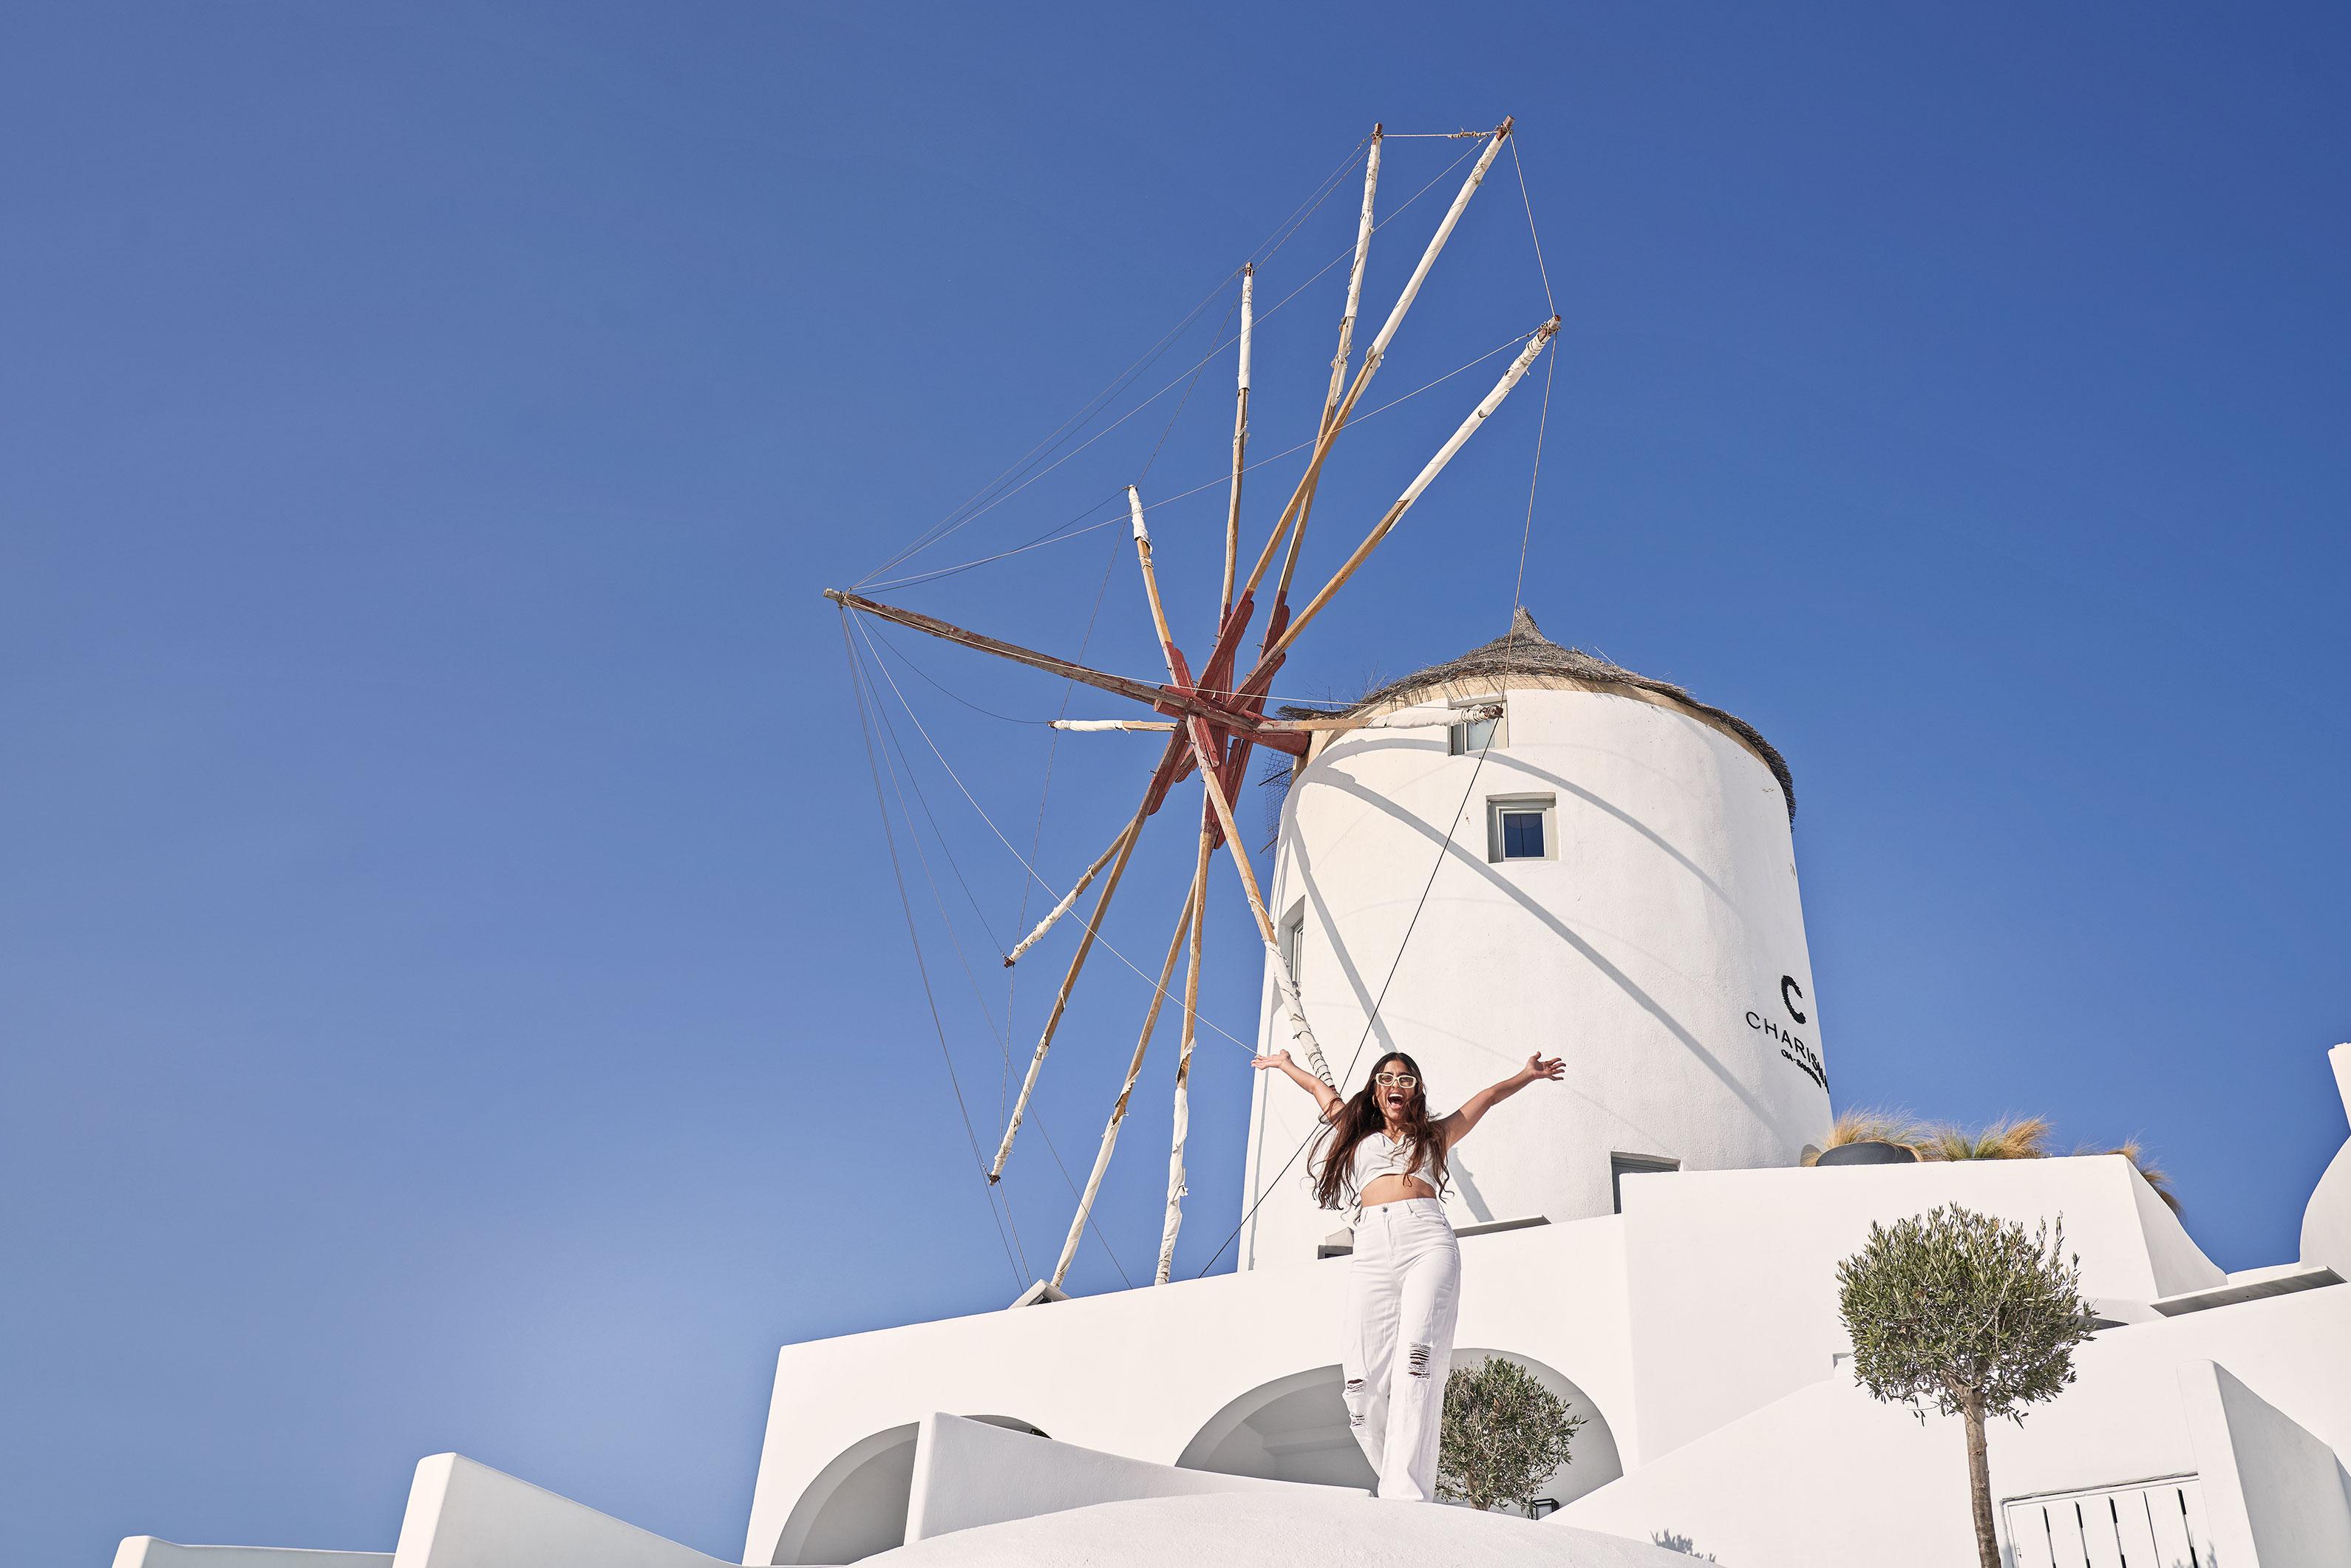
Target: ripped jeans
[[1404, 1291]]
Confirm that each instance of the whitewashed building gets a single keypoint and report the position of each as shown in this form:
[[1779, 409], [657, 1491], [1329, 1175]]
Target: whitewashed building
[[1605, 871]]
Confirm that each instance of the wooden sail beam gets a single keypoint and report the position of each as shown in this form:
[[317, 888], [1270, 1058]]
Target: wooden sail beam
[[1173, 1219], [1339, 361], [1293, 1010], [1070, 899], [1175, 670], [1411, 492], [1403, 718], [946, 630], [1189, 924], [1377, 351], [1240, 439], [1133, 836]]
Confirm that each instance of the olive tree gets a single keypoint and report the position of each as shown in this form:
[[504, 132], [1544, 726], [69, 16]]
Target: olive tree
[[1502, 1434], [1968, 1314]]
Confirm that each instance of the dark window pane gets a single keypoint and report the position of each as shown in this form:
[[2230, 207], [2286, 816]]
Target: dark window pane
[[1523, 835]]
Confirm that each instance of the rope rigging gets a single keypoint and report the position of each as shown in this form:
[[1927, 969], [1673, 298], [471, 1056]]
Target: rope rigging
[[1212, 716], [963, 515], [861, 686], [1056, 536]]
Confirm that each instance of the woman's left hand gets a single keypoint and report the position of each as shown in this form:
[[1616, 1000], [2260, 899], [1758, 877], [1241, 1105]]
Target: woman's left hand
[[1539, 1068]]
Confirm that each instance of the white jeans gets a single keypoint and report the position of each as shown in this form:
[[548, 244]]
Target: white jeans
[[1404, 1291]]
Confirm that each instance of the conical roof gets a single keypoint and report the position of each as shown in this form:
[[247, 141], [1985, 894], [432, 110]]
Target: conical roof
[[1524, 651]]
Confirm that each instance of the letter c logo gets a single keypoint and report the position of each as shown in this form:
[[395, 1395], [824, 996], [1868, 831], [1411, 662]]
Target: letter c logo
[[1789, 992]]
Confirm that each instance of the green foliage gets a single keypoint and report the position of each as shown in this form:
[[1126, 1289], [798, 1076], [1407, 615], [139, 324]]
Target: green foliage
[[1503, 1434], [1964, 1312]]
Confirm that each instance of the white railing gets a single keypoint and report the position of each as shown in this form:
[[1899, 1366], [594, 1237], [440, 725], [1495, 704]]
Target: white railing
[[2140, 1524]]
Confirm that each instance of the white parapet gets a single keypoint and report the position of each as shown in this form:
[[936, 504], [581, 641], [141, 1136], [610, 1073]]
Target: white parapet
[[970, 1473], [462, 1514], [153, 1552]]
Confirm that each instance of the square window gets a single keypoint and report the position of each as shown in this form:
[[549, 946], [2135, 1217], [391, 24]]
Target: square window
[[1522, 828], [1473, 737], [1469, 739]]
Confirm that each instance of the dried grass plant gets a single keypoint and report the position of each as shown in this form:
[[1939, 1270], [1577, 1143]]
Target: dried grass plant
[[2154, 1174], [2009, 1138], [1867, 1125]]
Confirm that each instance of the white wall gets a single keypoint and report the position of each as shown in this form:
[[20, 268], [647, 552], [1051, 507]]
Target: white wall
[[1732, 1275], [1144, 1373], [1639, 953], [462, 1514], [1828, 1478], [2326, 1222], [1712, 1297], [150, 1551], [2287, 1507]]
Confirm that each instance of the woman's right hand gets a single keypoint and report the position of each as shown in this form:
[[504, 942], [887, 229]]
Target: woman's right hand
[[1280, 1059]]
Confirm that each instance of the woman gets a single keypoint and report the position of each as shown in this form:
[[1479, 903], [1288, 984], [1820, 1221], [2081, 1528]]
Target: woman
[[1382, 1155]]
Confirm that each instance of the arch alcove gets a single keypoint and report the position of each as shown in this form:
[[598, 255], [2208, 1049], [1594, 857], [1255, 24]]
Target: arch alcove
[[856, 1506], [1294, 1428]]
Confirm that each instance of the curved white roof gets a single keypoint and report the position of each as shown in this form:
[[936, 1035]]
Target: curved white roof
[[1256, 1529]]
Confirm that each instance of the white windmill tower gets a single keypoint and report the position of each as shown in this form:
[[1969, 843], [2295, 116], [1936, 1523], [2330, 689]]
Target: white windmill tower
[[1585, 863]]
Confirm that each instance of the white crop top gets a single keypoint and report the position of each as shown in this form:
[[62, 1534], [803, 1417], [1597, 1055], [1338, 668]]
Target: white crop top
[[1380, 1156]]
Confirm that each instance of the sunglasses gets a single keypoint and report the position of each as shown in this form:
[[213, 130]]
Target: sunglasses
[[1396, 1080]]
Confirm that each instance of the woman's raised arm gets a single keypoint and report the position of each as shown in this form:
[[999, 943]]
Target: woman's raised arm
[[1324, 1095], [1539, 1068]]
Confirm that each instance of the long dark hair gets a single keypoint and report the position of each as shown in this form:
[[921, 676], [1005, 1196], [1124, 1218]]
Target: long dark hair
[[1332, 1164]]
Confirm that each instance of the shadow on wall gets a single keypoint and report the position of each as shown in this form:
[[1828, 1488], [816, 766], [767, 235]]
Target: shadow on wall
[[1681, 1543], [1558, 928], [1294, 1428], [857, 1504]]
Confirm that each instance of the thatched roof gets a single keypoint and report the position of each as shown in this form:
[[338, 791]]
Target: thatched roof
[[1524, 651]]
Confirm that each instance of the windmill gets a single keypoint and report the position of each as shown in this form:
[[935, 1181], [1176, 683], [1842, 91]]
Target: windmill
[[1213, 713]]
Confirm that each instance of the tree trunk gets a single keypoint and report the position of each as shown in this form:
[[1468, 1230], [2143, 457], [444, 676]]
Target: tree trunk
[[1980, 1485]]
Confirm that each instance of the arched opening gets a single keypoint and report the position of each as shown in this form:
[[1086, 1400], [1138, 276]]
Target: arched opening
[[856, 1506], [1294, 1428]]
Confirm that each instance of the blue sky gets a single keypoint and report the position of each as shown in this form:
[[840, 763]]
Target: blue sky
[[456, 995]]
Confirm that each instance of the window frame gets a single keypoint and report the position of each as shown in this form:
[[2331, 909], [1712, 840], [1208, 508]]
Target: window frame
[[1457, 736], [1290, 939], [1498, 806]]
